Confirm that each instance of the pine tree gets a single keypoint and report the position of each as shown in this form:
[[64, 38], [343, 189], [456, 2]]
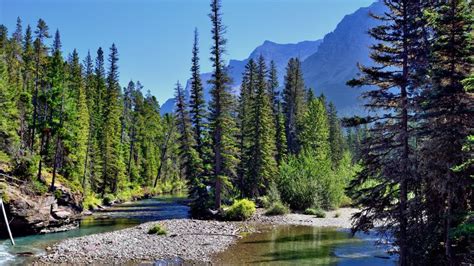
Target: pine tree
[[77, 120], [52, 122], [113, 169], [9, 117], [293, 104], [261, 166], [314, 135], [336, 139], [40, 55], [280, 136], [221, 121], [389, 155], [196, 101], [446, 124], [247, 91]]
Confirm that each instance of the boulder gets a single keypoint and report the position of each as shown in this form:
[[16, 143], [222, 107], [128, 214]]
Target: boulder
[[33, 214]]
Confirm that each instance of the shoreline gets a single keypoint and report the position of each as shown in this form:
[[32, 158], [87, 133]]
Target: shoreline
[[187, 240]]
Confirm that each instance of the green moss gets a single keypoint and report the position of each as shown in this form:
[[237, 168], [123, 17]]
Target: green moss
[[277, 208], [157, 229], [240, 210]]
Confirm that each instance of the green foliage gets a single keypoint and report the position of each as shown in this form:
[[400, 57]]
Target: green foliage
[[39, 187], [277, 208], [240, 210], [58, 194], [319, 213], [91, 201], [157, 229], [108, 199]]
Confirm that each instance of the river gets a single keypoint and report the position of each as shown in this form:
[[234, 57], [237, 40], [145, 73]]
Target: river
[[272, 245]]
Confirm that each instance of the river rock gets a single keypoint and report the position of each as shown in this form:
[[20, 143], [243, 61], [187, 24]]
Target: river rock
[[32, 214]]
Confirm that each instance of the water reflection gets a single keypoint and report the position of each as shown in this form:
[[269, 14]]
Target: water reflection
[[285, 245]]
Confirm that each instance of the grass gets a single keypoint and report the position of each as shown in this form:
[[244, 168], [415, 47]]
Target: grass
[[277, 208], [157, 229]]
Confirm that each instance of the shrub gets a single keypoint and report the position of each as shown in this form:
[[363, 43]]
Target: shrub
[[90, 202], [310, 211], [263, 202], [277, 208], [58, 194], [240, 210], [157, 230], [108, 199], [320, 213], [316, 212], [308, 180]]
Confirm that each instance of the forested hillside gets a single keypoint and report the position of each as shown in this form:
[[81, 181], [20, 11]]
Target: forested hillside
[[66, 120]]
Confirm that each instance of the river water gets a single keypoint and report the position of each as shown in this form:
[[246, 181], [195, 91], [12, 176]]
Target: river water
[[113, 218], [282, 245]]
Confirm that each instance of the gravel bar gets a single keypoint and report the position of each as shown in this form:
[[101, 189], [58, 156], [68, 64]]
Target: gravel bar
[[187, 240]]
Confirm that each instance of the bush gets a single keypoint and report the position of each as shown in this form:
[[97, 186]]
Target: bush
[[240, 210], [108, 199], [58, 194], [90, 202], [316, 212], [263, 202], [308, 180], [320, 213], [277, 208], [157, 230]]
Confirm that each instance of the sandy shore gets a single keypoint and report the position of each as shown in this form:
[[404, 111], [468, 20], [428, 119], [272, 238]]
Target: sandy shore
[[194, 241]]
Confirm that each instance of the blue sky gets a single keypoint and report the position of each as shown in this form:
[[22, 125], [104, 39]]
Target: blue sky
[[154, 38]]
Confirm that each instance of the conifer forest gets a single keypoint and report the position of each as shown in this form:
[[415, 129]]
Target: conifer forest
[[255, 144]]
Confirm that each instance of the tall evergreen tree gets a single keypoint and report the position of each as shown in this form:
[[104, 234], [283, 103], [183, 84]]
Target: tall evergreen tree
[[261, 166], [389, 155], [247, 91], [42, 33], [336, 139], [113, 169], [221, 121], [196, 101], [293, 104], [447, 123], [8, 119]]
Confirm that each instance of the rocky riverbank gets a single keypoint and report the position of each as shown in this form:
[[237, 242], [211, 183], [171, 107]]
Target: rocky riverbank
[[194, 241], [186, 239]]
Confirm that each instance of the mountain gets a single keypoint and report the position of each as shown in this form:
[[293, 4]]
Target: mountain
[[279, 53], [335, 62], [327, 64]]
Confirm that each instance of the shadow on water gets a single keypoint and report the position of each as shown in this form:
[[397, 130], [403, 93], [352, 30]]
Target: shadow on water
[[295, 245], [114, 218]]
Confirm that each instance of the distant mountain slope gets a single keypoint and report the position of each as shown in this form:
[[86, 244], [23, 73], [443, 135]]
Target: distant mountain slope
[[327, 64], [280, 53], [335, 62]]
